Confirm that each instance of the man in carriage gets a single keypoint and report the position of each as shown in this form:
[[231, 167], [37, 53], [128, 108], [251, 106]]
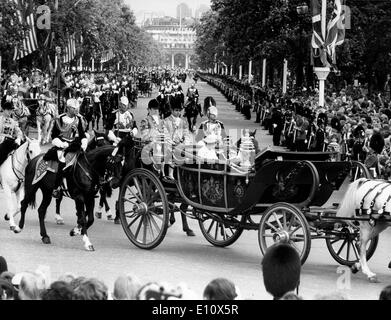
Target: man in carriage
[[212, 126], [176, 132], [11, 135], [68, 128], [152, 125]]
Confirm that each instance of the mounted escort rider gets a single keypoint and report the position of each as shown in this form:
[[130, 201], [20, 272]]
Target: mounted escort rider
[[212, 126], [67, 128], [11, 135], [124, 123]]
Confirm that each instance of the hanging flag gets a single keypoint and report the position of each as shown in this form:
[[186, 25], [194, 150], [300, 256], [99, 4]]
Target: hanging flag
[[336, 29], [107, 56], [70, 49], [317, 37], [25, 12]]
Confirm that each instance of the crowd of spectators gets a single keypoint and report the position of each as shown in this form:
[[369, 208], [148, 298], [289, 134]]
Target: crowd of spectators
[[281, 273]]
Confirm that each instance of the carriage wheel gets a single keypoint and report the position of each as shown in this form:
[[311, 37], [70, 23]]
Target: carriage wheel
[[143, 208], [344, 247], [219, 233], [284, 223]]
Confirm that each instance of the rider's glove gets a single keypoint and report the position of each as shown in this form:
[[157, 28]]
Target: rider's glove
[[65, 145], [84, 144], [18, 141]]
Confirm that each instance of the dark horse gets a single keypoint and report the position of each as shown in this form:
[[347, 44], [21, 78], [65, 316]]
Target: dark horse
[[208, 102], [87, 110], [165, 104], [83, 179], [105, 191], [192, 110]]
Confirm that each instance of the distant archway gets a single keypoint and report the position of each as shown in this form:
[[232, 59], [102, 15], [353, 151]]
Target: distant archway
[[180, 60]]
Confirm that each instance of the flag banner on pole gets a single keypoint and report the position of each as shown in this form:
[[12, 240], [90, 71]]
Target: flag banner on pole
[[107, 56], [25, 12], [317, 37], [336, 29], [70, 49]]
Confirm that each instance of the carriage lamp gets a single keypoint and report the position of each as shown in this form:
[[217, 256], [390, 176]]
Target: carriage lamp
[[158, 154], [247, 151]]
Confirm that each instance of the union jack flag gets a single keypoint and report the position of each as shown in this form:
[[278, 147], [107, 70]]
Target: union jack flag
[[107, 56], [70, 49], [336, 29], [25, 13]]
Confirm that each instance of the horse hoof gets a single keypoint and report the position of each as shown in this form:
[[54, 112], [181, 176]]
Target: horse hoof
[[17, 230], [373, 279], [389, 265], [46, 240], [98, 215], [90, 248], [110, 217], [12, 228], [117, 221], [60, 221], [75, 232], [190, 233], [6, 218], [354, 269]]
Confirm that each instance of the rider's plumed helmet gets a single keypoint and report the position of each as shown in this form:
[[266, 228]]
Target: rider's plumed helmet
[[73, 103]]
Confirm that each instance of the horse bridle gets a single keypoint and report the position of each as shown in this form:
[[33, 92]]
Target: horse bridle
[[14, 167]]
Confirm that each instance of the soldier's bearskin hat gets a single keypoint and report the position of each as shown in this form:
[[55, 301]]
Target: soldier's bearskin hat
[[335, 124], [377, 142], [359, 132], [322, 116], [281, 268]]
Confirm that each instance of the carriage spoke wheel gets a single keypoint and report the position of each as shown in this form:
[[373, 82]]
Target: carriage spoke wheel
[[143, 208], [284, 223], [218, 233], [344, 247]]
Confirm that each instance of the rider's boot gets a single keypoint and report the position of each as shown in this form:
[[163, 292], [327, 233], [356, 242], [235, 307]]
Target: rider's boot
[[57, 187]]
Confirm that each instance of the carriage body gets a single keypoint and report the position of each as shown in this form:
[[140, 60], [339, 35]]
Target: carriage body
[[301, 189]]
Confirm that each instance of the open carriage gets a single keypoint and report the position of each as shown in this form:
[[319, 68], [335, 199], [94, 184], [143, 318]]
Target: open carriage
[[285, 196]]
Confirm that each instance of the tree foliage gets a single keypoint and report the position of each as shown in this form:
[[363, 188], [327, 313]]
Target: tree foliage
[[99, 25], [235, 31]]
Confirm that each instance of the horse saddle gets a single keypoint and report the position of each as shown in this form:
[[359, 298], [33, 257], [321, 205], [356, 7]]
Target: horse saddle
[[42, 167], [70, 159]]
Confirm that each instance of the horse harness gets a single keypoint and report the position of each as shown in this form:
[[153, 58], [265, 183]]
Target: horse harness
[[382, 186], [16, 171]]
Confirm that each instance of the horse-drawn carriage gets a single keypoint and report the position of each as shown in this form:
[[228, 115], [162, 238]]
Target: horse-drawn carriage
[[287, 197]]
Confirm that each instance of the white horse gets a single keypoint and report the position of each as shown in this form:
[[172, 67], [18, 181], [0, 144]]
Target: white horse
[[45, 114], [368, 196], [12, 177]]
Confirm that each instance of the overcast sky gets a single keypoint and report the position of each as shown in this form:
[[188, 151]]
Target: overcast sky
[[168, 6]]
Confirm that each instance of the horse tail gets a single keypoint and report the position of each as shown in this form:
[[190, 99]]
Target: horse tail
[[347, 207], [29, 190]]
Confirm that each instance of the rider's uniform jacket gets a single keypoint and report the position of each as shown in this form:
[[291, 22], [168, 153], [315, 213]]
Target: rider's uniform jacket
[[212, 128], [177, 88], [176, 130], [9, 129], [124, 123], [67, 129], [192, 93], [150, 127]]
